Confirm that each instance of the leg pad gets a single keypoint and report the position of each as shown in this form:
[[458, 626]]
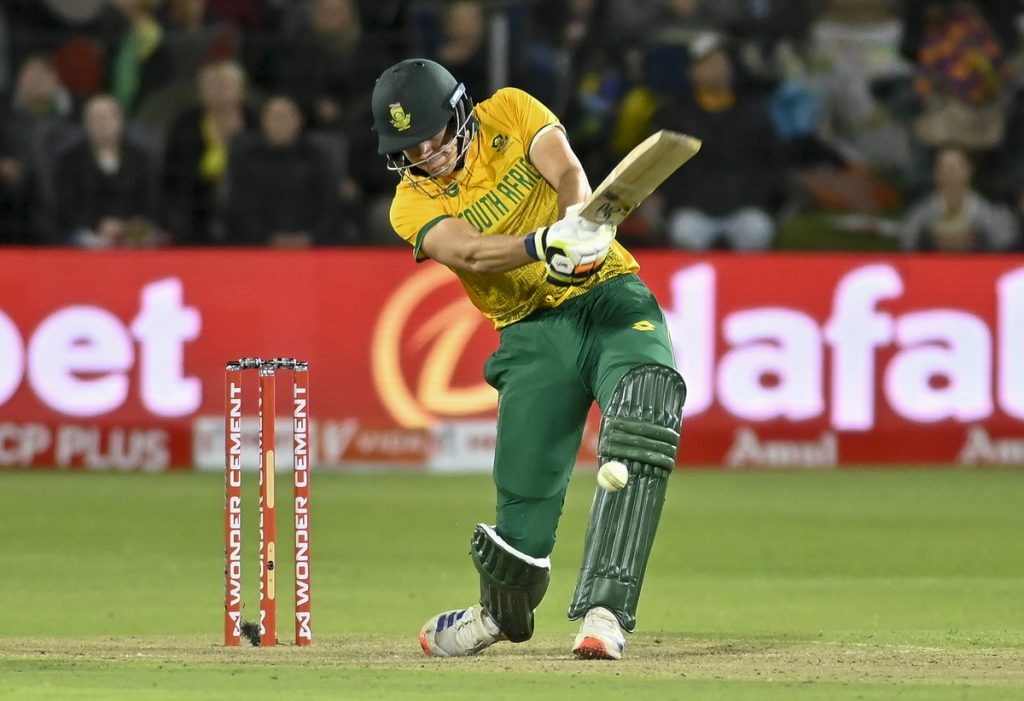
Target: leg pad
[[640, 428], [512, 583]]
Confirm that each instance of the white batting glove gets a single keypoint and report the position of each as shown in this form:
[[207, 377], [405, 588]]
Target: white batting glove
[[572, 249]]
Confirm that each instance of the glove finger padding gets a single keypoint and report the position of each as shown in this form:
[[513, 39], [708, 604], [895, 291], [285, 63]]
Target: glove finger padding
[[577, 274], [576, 254]]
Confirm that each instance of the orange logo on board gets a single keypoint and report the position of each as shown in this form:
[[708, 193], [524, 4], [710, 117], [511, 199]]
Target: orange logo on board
[[423, 369]]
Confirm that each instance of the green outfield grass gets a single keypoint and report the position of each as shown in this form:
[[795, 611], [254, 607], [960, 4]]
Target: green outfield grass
[[857, 584]]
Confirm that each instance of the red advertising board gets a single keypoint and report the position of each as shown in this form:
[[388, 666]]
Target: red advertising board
[[116, 359]]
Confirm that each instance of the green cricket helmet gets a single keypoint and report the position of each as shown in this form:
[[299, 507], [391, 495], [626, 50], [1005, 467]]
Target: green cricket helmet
[[412, 102]]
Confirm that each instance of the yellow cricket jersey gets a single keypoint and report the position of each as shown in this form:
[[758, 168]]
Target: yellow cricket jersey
[[499, 191]]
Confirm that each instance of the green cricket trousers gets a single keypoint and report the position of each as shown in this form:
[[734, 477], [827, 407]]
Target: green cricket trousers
[[548, 370]]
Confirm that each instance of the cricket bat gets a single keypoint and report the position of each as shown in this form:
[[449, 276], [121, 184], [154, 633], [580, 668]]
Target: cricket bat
[[637, 175]]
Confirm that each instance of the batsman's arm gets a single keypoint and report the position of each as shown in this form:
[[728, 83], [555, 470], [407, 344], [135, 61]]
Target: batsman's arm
[[456, 244], [552, 155]]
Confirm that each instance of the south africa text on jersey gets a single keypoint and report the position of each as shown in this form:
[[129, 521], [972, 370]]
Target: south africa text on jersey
[[512, 189]]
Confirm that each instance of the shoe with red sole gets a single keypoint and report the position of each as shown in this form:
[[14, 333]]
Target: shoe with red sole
[[600, 637], [459, 633]]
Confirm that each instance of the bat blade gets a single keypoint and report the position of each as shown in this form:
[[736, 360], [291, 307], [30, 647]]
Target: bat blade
[[637, 175]]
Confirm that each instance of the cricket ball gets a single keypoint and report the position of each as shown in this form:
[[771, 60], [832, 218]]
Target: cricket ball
[[612, 476]]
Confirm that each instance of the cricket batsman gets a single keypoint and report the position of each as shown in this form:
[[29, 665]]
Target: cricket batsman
[[492, 192]]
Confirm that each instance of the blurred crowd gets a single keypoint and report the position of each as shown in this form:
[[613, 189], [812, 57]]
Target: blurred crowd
[[865, 124]]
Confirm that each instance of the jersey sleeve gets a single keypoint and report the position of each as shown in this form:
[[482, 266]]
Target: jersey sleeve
[[413, 216], [529, 115]]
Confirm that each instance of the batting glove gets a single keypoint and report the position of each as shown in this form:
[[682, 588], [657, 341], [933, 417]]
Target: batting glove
[[572, 249]]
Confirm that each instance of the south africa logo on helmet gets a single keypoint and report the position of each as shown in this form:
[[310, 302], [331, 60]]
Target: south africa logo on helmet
[[400, 119], [413, 101]]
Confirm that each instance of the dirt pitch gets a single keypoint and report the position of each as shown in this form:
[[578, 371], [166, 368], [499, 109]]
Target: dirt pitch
[[759, 660]]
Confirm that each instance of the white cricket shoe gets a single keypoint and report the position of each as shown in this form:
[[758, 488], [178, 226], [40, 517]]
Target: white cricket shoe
[[459, 633], [600, 636]]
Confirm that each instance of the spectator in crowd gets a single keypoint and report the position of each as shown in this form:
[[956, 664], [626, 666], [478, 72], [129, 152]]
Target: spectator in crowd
[[283, 184], [728, 193], [954, 217], [196, 154], [858, 73], [76, 34], [847, 110], [329, 65], [143, 63], [39, 91], [766, 36], [842, 140], [106, 184], [597, 79], [193, 37], [961, 54], [546, 68], [40, 107], [668, 29], [770, 34], [464, 46]]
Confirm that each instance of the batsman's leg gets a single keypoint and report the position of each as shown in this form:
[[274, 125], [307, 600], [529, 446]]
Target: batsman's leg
[[640, 427], [512, 584], [543, 407]]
